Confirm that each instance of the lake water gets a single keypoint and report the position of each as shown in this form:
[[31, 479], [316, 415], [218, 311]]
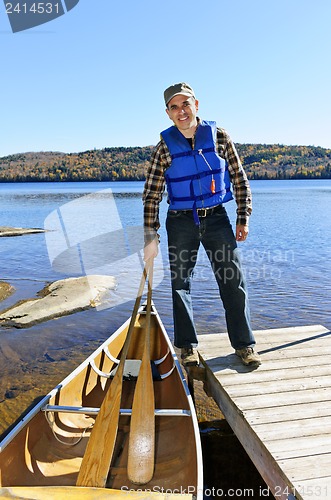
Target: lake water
[[286, 258]]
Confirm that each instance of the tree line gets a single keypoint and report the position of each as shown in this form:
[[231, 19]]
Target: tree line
[[261, 161]]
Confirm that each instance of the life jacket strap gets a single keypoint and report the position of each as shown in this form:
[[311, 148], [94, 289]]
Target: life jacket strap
[[193, 152], [198, 175]]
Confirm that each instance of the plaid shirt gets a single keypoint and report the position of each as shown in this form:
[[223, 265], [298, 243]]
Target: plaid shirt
[[155, 182]]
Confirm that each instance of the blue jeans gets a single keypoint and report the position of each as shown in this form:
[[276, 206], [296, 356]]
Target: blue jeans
[[216, 235]]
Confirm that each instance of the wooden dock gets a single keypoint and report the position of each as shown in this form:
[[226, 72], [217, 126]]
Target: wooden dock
[[281, 411]]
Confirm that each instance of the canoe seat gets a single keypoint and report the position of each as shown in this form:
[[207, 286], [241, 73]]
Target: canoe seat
[[131, 370], [116, 360], [132, 367]]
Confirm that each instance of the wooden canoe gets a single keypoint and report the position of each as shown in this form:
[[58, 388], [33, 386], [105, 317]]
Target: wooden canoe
[[42, 454]]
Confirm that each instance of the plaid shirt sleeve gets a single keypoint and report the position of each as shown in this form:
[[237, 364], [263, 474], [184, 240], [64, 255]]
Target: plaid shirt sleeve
[[154, 189], [241, 189]]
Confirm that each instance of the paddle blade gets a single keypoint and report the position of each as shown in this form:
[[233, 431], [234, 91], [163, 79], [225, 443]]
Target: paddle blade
[[100, 447], [142, 428]]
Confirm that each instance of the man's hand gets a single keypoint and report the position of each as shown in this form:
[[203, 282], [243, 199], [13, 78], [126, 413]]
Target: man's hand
[[151, 250], [241, 232]]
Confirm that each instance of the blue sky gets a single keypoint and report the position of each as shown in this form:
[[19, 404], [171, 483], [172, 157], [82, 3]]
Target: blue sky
[[94, 77]]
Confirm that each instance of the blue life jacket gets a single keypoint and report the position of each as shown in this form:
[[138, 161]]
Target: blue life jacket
[[199, 177]]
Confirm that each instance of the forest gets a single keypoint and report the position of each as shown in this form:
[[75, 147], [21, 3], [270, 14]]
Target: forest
[[261, 161]]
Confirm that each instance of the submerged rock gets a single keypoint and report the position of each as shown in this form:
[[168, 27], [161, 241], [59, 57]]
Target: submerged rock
[[60, 298], [19, 231]]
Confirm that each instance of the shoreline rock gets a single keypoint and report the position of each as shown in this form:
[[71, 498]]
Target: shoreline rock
[[57, 299], [6, 290], [19, 231]]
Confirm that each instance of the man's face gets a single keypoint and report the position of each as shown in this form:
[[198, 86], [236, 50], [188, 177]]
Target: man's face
[[182, 110]]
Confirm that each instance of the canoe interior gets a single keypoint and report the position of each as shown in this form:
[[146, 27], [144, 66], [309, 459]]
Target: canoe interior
[[48, 451]]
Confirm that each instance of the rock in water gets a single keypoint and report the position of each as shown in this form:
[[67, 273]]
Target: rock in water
[[19, 231], [60, 298]]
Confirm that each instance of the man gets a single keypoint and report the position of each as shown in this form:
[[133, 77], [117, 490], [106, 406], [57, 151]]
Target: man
[[198, 162]]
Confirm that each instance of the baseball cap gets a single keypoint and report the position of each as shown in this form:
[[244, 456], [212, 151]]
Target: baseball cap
[[176, 89]]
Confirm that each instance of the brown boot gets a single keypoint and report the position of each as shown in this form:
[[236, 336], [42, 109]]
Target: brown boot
[[189, 356], [248, 356]]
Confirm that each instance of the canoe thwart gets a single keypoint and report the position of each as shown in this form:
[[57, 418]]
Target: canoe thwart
[[144, 312], [86, 410]]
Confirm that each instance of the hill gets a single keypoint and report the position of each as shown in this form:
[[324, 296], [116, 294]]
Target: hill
[[276, 161], [261, 161]]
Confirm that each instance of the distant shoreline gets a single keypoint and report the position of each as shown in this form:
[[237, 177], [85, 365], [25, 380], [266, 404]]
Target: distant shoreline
[[260, 161], [41, 181]]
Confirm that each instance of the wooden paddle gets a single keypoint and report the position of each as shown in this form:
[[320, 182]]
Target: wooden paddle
[[100, 447], [142, 426]]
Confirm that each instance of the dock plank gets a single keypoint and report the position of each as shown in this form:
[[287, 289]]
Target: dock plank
[[276, 375], [282, 398], [303, 468], [280, 412], [310, 489], [282, 385], [289, 413], [308, 427], [300, 446]]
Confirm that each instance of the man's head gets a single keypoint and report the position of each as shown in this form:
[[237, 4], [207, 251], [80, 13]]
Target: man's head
[[182, 107]]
